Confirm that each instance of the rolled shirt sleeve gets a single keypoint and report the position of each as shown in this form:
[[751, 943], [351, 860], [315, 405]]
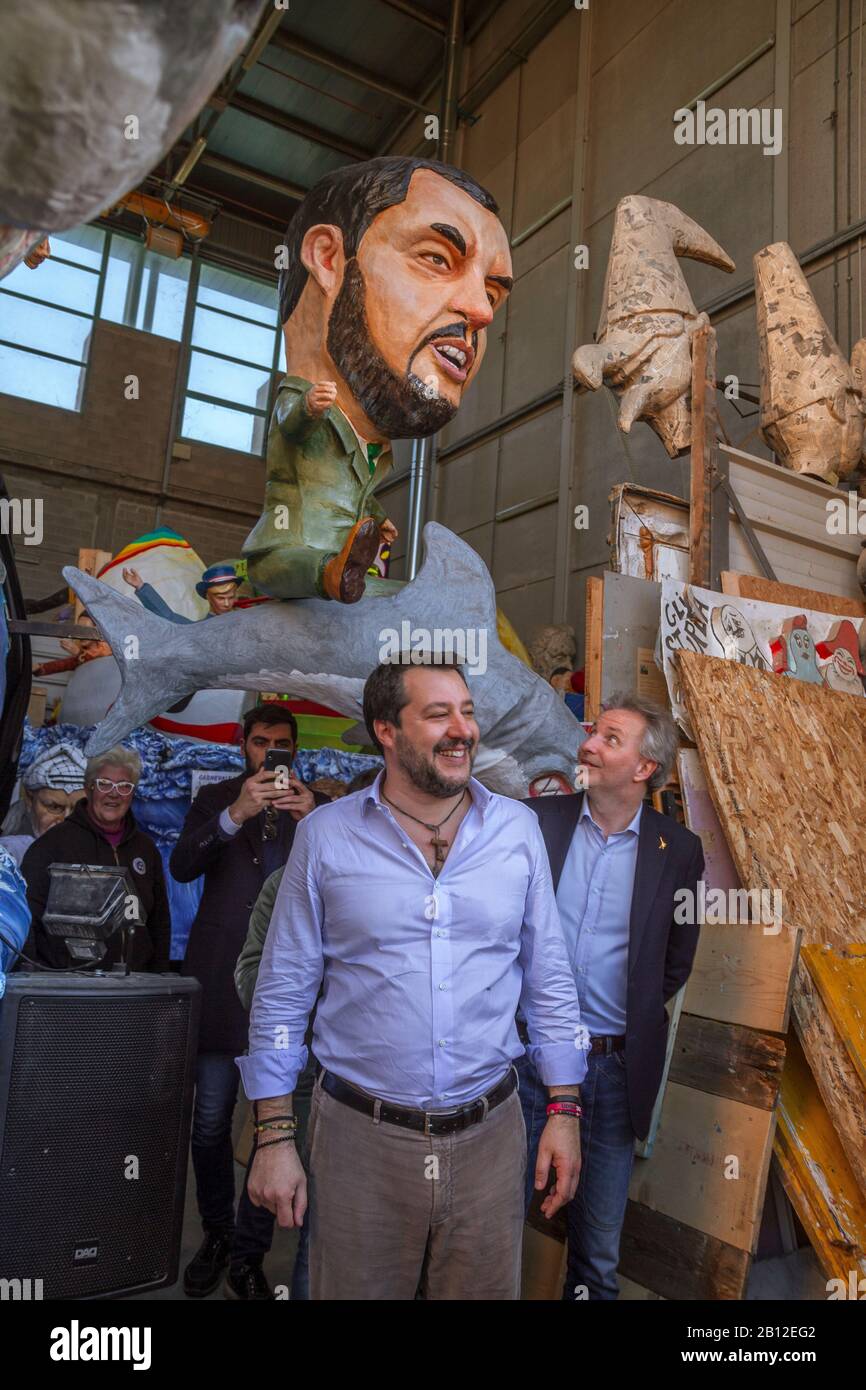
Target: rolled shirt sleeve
[[289, 978], [548, 1000]]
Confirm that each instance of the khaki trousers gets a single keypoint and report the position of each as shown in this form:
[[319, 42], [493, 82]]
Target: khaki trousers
[[394, 1212]]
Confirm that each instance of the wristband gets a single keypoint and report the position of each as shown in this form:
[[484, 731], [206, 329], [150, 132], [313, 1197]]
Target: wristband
[[565, 1100], [574, 1111]]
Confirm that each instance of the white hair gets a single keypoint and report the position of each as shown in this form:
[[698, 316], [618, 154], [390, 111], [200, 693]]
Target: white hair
[[127, 758]]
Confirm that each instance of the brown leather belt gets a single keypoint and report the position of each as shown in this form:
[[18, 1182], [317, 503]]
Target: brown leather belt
[[607, 1043], [432, 1122]]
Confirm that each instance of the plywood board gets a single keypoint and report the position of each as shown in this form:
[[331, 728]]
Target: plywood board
[[791, 595], [785, 763], [816, 1174], [840, 977], [742, 976], [700, 1138], [840, 1086]]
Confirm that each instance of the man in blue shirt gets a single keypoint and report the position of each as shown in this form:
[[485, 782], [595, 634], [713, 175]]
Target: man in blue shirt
[[616, 865], [424, 908]]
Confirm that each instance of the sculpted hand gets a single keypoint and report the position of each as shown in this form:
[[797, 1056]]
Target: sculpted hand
[[257, 792], [321, 396], [559, 1148], [132, 577], [278, 1182]]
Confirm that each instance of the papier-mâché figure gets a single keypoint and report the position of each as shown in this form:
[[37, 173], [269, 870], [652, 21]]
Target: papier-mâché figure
[[394, 269], [643, 344]]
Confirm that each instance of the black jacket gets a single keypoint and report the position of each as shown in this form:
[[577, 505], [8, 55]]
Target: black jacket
[[77, 841], [234, 872], [660, 951]]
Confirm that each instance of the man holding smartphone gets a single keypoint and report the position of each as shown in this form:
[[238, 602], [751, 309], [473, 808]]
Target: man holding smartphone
[[236, 834]]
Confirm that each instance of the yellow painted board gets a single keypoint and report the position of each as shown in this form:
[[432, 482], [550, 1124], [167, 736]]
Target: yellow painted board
[[841, 980], [815, 1172]]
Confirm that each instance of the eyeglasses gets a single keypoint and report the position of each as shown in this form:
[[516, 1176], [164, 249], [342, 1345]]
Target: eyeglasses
[[124, 788]]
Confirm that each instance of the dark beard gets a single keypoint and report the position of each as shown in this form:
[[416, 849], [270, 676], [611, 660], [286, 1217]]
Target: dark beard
[[399, 407], [422, 774]]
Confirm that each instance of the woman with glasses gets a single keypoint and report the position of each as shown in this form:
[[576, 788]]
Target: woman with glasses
[[102, 830]]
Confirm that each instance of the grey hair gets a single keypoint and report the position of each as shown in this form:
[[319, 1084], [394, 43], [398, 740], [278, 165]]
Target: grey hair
[[127, 758], [660, 740]]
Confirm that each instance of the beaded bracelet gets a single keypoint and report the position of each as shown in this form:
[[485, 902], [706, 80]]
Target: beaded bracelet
[[286, 1139], [292, 1125]]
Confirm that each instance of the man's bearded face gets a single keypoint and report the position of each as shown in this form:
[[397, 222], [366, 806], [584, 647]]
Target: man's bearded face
[[407, 331]]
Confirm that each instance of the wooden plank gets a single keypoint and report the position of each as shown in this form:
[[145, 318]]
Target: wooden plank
[[701, 817], [792, 595], [702, 1140], [816, 1174], [676, 1261], [841, 1089], [742, 976], [593, 648], [728, 1060], [841, 980], [703, 438], [787, 782], [91, 561], [544, 1266]]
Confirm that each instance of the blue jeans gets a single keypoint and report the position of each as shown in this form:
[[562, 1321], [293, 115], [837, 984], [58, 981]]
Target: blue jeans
[[217, 1081], [596, 1213]]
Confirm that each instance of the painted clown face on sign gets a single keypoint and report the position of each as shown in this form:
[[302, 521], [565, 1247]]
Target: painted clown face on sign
[[735, 636], [399, 295]]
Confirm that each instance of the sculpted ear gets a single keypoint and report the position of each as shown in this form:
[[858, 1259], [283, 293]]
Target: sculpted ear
[[323, 255]]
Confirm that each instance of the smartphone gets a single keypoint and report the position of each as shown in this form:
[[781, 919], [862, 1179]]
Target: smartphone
[[279, 757]]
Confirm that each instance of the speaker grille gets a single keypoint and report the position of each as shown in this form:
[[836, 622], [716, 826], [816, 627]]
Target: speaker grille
[[95, 1084]]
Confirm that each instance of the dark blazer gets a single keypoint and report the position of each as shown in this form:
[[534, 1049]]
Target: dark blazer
[[76, 840], [234, 872], [660, 952]]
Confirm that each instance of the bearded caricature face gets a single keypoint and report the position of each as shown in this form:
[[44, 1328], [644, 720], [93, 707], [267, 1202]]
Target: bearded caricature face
[[408, 323]]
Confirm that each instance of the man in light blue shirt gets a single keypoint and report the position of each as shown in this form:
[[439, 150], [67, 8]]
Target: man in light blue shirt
[[424, 908]]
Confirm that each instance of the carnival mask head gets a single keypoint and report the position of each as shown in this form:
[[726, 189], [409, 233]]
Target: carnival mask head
[[398, 266]]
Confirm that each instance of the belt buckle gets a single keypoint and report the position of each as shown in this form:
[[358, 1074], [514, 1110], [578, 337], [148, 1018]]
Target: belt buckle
[[437, 1115]]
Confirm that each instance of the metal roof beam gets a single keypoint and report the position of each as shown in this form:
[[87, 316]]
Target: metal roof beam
[[275, 116], [290, 43], [431, 21], [243, 171]]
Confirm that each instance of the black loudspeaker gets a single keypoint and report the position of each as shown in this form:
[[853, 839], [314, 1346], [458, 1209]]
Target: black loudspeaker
[[96, 1086]]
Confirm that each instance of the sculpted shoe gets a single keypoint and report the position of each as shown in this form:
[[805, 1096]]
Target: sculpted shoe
[[343, 577], [246, 1281], [202, 1274]]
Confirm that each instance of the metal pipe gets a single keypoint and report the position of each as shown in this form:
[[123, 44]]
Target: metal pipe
[[540, 222], [729, 76], [290, 43], [249, 175], [451, 80], [418, 488]]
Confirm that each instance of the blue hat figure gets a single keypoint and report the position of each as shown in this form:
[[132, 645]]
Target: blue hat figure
[[219, 585], [216, 575]]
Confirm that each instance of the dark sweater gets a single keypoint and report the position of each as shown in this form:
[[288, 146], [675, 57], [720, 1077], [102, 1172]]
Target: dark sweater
[[78, 841]]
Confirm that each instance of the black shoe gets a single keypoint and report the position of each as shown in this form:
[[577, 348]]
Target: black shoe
[[202, 1274], [246, 1281]]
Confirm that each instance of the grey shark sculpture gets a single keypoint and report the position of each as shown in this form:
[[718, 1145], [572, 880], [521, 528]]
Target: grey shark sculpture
[[324, 651], [643, 343]]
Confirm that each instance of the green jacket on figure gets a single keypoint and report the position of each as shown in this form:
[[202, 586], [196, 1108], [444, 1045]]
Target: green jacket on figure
[[319, 485]]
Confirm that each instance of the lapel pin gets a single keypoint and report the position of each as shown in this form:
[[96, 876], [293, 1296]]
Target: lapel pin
[[663, 844]]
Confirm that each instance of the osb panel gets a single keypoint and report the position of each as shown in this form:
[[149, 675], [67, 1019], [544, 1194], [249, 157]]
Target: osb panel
[[784, 761], [835, 1074]]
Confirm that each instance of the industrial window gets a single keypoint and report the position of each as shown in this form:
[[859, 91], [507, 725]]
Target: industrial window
[[144, 289], [233, 356], [46, 320]]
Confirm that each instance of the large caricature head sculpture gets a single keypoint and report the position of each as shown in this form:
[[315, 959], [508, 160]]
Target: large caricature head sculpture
[[395, 268]]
